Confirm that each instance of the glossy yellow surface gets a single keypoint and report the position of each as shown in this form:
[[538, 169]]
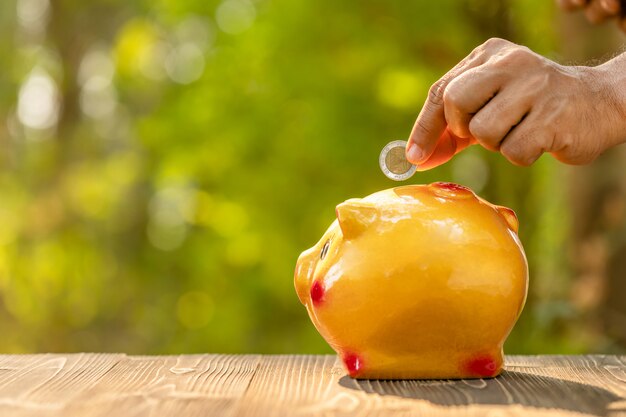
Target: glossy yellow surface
[[420, 281]]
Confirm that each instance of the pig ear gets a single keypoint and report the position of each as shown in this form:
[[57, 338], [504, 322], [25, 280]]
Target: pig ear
[[354, 217], [509, 216]]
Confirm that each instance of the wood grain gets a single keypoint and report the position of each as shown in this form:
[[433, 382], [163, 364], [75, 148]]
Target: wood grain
[[298, 385], [33, 385], [187, 385], [545, 385]]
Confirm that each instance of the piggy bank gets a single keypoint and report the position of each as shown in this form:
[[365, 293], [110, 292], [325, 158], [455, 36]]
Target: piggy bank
[[416, 282]]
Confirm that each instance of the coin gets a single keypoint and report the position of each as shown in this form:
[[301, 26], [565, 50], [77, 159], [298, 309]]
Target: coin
[[393, 162]]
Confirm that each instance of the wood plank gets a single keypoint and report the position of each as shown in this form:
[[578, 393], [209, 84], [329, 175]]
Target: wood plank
[[88, 385], [186, 385], [33, 385], [287, 385], [604, 371], [545, 385], [290, 384]]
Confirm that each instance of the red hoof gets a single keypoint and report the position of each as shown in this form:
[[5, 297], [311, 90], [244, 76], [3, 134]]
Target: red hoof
[[483, 366], [353, 363]]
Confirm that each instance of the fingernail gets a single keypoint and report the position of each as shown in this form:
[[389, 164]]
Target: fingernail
[[414, 153]]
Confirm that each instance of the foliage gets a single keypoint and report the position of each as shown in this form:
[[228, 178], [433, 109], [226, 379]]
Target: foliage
[[163, 163]]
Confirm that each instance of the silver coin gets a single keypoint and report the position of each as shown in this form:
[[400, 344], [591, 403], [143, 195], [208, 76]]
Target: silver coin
[[393, 162]]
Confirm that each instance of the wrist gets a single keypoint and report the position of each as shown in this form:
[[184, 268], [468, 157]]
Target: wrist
[[610, 87]]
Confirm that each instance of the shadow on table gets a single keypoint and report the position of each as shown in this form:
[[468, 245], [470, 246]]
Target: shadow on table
[[511, 387]]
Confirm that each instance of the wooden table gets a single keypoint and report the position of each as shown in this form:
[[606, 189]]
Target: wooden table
[[270, 385]]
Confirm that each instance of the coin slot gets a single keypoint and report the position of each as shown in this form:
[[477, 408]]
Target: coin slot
[[450, 190]]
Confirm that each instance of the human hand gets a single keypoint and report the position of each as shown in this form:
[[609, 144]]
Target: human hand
[[598, 11], [509, 99]]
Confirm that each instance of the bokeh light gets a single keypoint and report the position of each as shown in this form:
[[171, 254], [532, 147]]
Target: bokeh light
[[235, 16], [38, 104]]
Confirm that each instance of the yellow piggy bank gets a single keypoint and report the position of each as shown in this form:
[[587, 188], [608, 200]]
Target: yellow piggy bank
[[415, 282]]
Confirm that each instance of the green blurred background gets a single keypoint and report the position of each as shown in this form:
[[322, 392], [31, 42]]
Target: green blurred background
[[164, 162]]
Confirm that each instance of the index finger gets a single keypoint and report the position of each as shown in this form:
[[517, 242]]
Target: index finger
[[431, 121]]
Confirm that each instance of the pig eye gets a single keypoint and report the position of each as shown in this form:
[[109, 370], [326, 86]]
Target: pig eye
[[325, 249]]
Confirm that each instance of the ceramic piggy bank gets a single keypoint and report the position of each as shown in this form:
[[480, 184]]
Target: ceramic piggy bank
[[420, 281]]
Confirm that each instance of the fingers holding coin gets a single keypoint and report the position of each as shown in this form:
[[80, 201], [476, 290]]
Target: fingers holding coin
[[395, 166]]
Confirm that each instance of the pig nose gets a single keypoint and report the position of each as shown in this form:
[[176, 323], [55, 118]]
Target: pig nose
[[304, 274]]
